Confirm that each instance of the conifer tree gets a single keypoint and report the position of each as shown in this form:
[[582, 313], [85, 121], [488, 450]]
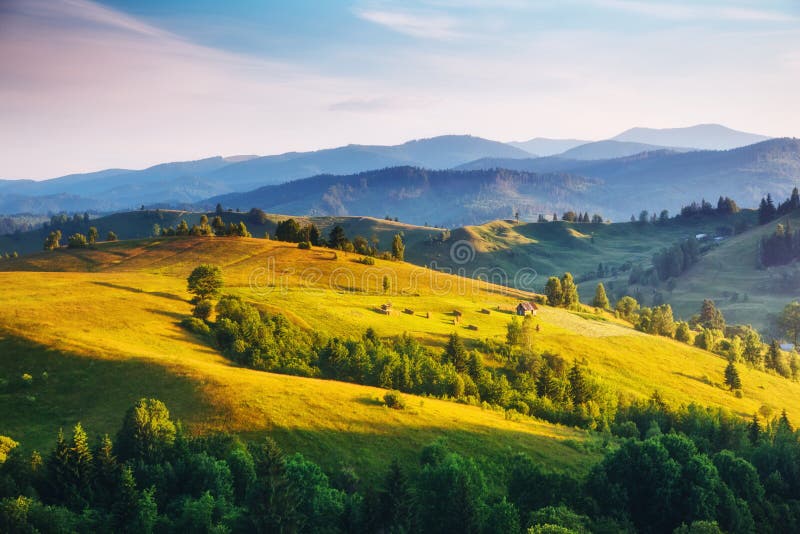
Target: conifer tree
[[600, 298], [79, 459], [106, 472], [732, 376], [398, 248], [570, 297], [578, 388]]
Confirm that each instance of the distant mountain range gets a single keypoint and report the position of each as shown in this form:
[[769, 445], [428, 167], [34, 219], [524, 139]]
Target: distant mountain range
[[419, 196], [441, 152], [665, 179], [497, 188], [182, 183], [652, 160]]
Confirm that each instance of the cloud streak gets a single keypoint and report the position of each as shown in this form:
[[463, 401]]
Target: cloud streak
[[421, 25], [695, 12]]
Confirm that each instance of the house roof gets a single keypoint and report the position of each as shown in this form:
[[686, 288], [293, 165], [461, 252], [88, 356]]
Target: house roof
[[528, 306]]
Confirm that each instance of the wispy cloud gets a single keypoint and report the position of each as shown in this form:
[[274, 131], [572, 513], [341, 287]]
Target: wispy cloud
[[423, 25], [696, 11]]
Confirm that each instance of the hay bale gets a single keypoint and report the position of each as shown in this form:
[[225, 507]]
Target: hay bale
[[408, 311], [472, 327]]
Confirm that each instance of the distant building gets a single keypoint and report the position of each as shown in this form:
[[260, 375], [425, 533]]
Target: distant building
[[700, 236], [526, 308]]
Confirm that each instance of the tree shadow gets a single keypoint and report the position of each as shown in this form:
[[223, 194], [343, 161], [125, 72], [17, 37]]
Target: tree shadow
[[138, 290]]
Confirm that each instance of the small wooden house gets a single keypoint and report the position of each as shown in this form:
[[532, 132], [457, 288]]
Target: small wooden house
[[527, 308]]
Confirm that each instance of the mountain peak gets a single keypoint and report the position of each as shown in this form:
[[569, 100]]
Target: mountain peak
[[700, 136]]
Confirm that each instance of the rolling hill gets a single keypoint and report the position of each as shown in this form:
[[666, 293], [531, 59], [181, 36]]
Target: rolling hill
[[103, 324], [726, 273], [63, 303]]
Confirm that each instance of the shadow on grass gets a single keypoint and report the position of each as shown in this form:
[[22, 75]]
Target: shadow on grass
[[369, 401], [137, 290], [67, 388], [172, 315], [701, 379]]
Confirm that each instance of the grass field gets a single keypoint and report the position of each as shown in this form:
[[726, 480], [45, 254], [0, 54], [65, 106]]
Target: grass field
[[500, 249], [103, 324], [110, 335]]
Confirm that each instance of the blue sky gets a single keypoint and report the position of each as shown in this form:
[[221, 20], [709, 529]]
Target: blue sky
[[90, 85]]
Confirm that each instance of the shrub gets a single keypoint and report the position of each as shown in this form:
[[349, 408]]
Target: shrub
[[304, 245], [202, 310], [394, 400], [77, 241], [367, 260], [195, 325], [27, 379]]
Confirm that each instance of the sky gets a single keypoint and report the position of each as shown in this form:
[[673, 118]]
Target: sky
[[126, 84]]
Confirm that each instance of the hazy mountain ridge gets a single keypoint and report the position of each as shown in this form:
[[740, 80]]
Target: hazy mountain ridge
[[180, 183], [614, 149], [544, 146], [416, 195], [668, 180], [700, 136]]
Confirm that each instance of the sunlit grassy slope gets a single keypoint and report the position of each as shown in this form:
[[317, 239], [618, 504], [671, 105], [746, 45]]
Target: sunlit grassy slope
[[730, 274], [105, 330], [104, 325]]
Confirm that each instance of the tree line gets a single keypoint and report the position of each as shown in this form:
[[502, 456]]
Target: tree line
[[767, 211], [780, 248], [683, 469]]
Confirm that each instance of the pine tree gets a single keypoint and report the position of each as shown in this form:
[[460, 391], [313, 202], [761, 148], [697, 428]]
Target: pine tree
[[456, 352], [600, 298], [545, 383], [58, 476], [754, 430], [126, 505], [398, 248], [79, 459], [578, 388], [396, 503], [732, 377], [106, 472]]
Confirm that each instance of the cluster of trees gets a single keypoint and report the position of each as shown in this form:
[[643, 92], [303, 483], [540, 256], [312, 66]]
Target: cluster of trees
[[686, 470], [671, 262], [571, 216], [645, 217], [291, 231], [562, 292], [725, 206], [767, 211], [780, 248], [528, 382], [217, 228], [9, 255], [707, 330], [76, 240]]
